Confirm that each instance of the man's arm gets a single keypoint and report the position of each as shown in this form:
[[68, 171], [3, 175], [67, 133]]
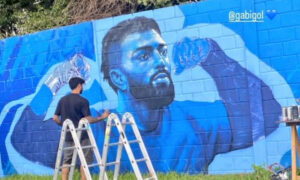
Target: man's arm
[[85, 110], [99, 118], [251, 107], [56, 119], [58, 113]]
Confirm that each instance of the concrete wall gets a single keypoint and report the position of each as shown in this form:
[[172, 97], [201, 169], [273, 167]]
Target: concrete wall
[[212, 108]]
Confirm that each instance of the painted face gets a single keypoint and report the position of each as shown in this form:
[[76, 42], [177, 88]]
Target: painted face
[[147, 67]]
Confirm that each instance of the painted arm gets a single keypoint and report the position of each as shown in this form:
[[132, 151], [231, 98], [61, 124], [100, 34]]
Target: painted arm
[[249, 102], [77, 66]]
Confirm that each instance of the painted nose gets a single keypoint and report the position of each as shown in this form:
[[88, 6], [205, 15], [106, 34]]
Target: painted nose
[[159, 60]]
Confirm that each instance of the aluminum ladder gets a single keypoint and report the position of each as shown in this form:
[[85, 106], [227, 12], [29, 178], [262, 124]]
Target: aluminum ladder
[[127, 119], [83, 125]]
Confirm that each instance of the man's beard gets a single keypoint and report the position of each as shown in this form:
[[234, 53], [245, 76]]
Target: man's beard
[[155, 97]]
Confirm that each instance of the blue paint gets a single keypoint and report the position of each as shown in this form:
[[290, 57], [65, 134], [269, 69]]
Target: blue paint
[[94, 93], [40, 103], [7, 166], [186, 135], [40, 59], [35, 139]]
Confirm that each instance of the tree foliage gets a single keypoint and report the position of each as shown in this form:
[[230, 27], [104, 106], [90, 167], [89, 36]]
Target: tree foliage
[[12, 12], [25, 16]]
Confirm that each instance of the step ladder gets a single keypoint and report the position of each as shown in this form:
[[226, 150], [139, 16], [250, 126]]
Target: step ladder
[[83, 125], [127, 119]]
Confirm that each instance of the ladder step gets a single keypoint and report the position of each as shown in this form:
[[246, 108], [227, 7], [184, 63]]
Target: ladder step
[[111, 163], [81, 129], [114, 144], [134, 141], [130, 142], [126, 123], [140, 160], [78, 129], [83, 147], [93, 165], [66, 166], [87, 147], [69, 148]]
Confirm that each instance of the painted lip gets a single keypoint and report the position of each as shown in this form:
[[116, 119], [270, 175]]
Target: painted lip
[[160, 75]]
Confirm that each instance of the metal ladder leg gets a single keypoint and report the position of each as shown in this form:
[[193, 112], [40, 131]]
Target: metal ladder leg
[[99, 162], [123, 141], [77, 148], [118, 158], [105, 147], [60, 151], [74, 157], [141, 144], [129, 151], [80, 152]]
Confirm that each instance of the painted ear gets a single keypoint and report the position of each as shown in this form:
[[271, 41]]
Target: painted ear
[[119, 79]]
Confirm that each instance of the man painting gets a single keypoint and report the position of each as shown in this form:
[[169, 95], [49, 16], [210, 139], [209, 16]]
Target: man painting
[[75, 107]]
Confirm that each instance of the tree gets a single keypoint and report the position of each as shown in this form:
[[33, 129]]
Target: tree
[[25, 16]]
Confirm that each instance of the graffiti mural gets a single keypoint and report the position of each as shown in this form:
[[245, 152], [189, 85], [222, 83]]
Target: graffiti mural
[[189, 133], [194, 86]]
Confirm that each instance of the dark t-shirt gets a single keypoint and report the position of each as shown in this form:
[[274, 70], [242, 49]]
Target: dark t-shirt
[[73, 107]]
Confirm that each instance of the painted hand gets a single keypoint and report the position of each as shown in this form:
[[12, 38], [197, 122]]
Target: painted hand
[[77, 66], [189, 53]]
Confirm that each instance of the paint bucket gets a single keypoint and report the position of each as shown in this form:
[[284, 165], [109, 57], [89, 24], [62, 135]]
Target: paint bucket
[[289, 113], [284, 114], [298, 112], [295, 113]]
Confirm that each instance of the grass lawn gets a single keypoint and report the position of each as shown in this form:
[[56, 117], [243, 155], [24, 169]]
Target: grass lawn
[[169, 176], [260, 173]]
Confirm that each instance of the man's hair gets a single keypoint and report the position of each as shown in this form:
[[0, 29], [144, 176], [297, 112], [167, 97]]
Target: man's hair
[[111, 51], [74, 81]]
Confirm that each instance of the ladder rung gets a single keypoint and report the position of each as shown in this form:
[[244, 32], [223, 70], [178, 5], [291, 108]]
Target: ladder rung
[[81, 129], [93, 165], [66, 166], [69, 148], [111, 163], [83, 147], [87, 147], [114, 144], [134, 141], [113, 124], [149, 178], [117, 143], [78, 129], [126, 123], [140, 160]]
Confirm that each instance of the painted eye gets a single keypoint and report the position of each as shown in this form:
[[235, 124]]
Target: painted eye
[[164, 52], [144, 57]]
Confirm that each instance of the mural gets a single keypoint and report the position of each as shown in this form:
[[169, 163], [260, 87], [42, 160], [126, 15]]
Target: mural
[[196, 97], [190, 134]]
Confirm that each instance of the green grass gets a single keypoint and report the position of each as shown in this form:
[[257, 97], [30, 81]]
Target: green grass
[[169, 176], [260, 173], [131, 176]]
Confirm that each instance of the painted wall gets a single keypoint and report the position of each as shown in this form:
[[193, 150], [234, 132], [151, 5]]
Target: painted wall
[[206, 90]]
